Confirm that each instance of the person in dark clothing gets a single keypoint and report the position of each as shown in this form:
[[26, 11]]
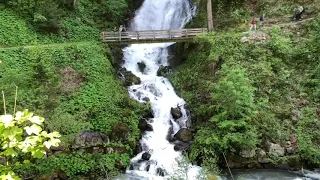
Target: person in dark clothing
[[261, 19], [298, 13], [298, 16]]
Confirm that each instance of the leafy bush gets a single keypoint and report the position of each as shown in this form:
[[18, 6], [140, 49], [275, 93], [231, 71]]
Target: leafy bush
[[14, 31], [309, 136], [81, 163], [22, 135]]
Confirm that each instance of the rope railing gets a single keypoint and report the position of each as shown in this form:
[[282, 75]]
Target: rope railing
[[151, 35]]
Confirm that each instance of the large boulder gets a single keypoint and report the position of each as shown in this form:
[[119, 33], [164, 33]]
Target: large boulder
[[275, 150], [262, 156], [89, 139], [184, 135], [144, 125], [176, 112], [164, 70], [127, 77], [248, 153], [142, 66]]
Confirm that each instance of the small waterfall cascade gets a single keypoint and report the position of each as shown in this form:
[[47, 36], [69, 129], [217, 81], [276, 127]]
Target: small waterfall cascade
[[165, 162]]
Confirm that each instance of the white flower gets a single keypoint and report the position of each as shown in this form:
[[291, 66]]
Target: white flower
[[6, 120]]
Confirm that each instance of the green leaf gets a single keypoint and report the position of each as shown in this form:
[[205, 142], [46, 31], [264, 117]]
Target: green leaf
[[38, 153], [52, 142], [11, 133], [9, 152]]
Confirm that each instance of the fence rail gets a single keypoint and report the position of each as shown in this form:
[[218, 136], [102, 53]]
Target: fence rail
[[152, 35]]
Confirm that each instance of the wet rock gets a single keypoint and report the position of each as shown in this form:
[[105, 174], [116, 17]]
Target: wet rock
[[184, 135], [181, 146], [142, 66], [146, 156], [164, 70], [120, 131], [189, 120], [160, 172], [147, 112], [131, 167], [146, 99], [275, 150], [89, 139], [147, 167], [176, 113], [144, 126], [248, 153], [171, 138], [127, 77]]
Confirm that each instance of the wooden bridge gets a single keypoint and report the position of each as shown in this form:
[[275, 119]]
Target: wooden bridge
[[152, 36]]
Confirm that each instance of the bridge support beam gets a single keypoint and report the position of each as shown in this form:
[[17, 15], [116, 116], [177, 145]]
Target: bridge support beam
[[210, 18]]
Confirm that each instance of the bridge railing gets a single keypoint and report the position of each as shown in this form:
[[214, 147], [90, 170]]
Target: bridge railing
[[151, 35]]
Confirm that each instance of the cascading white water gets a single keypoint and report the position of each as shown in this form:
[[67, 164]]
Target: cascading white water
[[158, 15]]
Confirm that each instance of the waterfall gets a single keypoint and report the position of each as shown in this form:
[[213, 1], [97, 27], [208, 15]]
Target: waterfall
[[164, 162]]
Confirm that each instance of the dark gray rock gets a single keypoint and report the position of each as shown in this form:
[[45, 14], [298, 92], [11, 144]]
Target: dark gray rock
[[142, 66], [164, 70], [176, 112], [184, 135], [146, 99], [89, 139], [160, 172], [127, 77], [146, 156], [144, 125], [182, 146]]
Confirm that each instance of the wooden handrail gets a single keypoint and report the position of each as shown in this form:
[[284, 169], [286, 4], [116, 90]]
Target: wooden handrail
[[152, 35]]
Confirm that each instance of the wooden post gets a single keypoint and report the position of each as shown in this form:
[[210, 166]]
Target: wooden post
[[209, 12]]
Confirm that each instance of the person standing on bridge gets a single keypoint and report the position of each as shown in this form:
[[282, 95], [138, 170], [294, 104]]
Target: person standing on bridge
[[253, 24]]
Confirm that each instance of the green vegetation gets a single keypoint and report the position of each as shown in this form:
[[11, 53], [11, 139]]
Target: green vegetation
[[73, 86], [50, 51], [244, 95], [22, 137]]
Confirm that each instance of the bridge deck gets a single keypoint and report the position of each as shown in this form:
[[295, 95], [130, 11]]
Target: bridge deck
[[152, 36]]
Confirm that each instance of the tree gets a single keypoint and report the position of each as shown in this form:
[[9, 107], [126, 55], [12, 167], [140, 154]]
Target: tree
[[22, 134], [229, 129]]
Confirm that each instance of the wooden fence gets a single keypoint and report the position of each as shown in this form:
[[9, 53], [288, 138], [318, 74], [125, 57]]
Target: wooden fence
[[151, 36]]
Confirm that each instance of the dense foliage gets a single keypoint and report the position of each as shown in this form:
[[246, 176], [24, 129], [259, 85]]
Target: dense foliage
[[22, 137], [245, 94], [71, 82], [49, 16]]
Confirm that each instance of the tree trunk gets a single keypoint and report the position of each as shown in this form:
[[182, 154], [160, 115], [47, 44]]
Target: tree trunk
[[209, 12]]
